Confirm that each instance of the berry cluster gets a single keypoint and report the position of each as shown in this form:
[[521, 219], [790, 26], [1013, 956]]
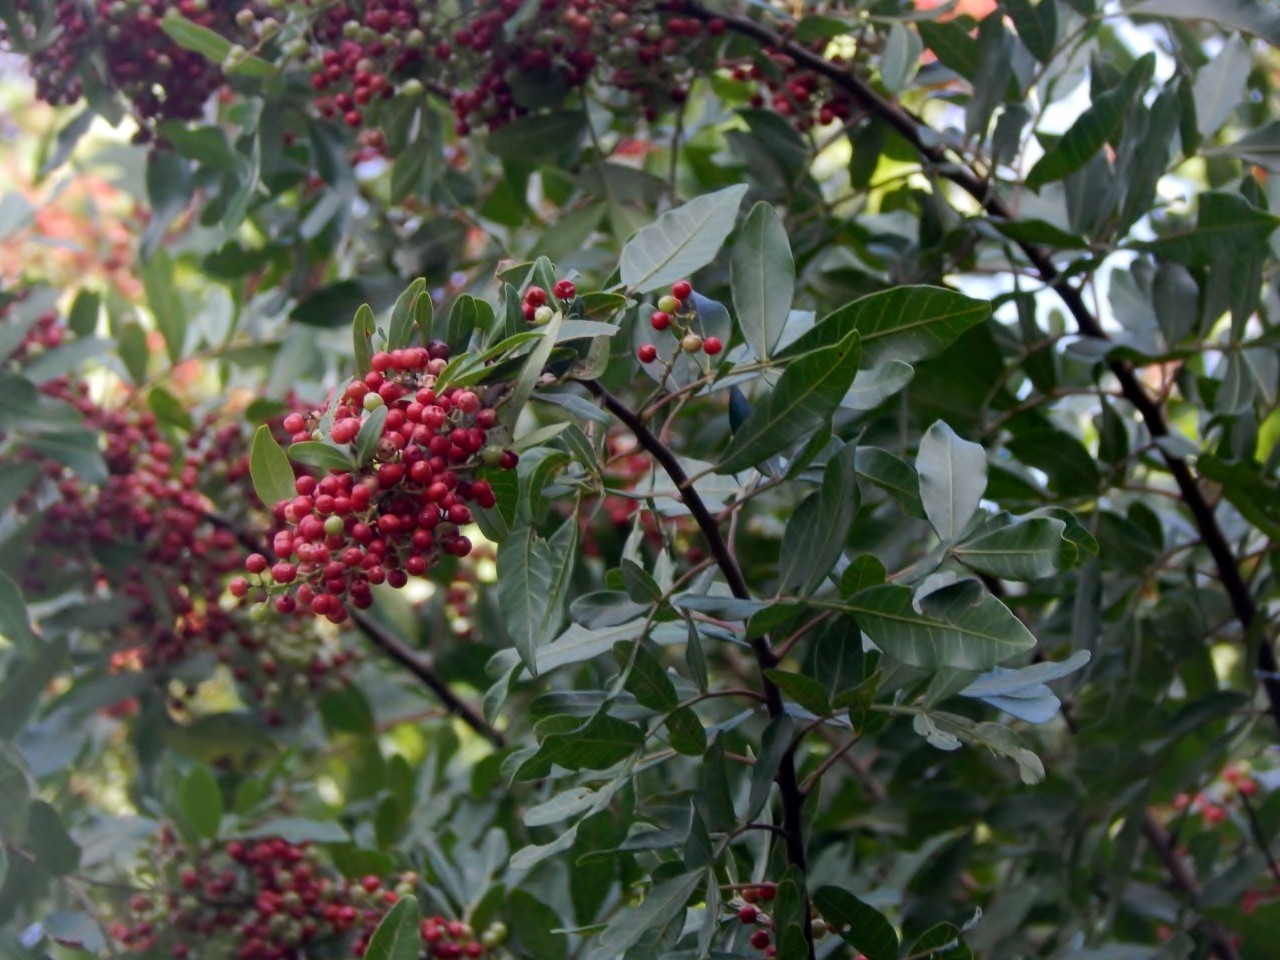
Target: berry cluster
[[269, 899], [496, 60], [752, 910], [160, 79], [405, 504], [535, 306], [147, 537], [677, 314]]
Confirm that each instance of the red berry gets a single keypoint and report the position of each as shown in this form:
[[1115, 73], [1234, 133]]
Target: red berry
[[256, 563], [748, 914], [711, 346], [760, 939], [660, 320], [767, 891], [681, 289], [565, 289], [647, 353], [535, 296]]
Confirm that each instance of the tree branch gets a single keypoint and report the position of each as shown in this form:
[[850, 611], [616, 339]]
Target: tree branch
[[391, 645], [959, 172], [789, 791], [1185, 882]]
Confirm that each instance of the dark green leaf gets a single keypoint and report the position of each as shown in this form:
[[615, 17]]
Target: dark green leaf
[[905, 323], [596, 745], [1037, 25], [524, 591], [370, 435], [958, 626], [808, 392], [532, 924], [774, 744], [1225, 222], [816, 533], [1025, 550], [1100, 124], [861, 926], [269, 469], [48, 840], [403, 319], [805, 691], [538, 137], [397, 936], [647, 681], [315, 453], [686, 733], [201, 803], [362, 330], [628, 927]]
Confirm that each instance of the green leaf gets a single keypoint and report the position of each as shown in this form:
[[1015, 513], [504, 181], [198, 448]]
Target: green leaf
[[524, 591], [15, 625], [805, 691], [538, 137], [953, 476], [531, 371], [370, 434], [424, 316], [905, 323], [595, 745], [774, 743], [647, 681], [816, 533], [1225, 222], [362, 329], [77, 450], [1100, 124], [201, 803], [808, 392], [534, 927], [269, 469], [763, 278], [957, 626], [398, 936], [1249, 16], [83, 316], [664, 902], [212, 46], [48, 841], [860, 925], [316, 453], [680, 241], [893, 475], [1026, 550], [1037, 25], [169, 409], [953, 46], [942, 941], [686, 732], [401, 328]]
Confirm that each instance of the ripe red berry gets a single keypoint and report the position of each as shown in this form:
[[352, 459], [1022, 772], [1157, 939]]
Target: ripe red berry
[[647, 353], [681, 289], [565, 289], [660, 320], [535, 296], [760, 939], [748, 914], [767, 891], [711, 346]]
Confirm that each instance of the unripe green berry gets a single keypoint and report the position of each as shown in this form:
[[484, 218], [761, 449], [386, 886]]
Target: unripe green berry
[[333, 526], [543, 315], [372, 401], [668, 304]]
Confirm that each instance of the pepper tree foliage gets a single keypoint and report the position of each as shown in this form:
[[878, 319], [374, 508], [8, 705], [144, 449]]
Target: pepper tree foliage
[[603, 480]]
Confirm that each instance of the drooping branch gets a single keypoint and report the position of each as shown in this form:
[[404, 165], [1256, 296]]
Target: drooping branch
[[962, 173], [789, 792], [392, 646]]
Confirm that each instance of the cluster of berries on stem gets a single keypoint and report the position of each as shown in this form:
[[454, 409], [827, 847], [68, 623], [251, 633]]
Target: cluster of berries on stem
[[271, 899], [536, 306], [676, 314], [406, 502]]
